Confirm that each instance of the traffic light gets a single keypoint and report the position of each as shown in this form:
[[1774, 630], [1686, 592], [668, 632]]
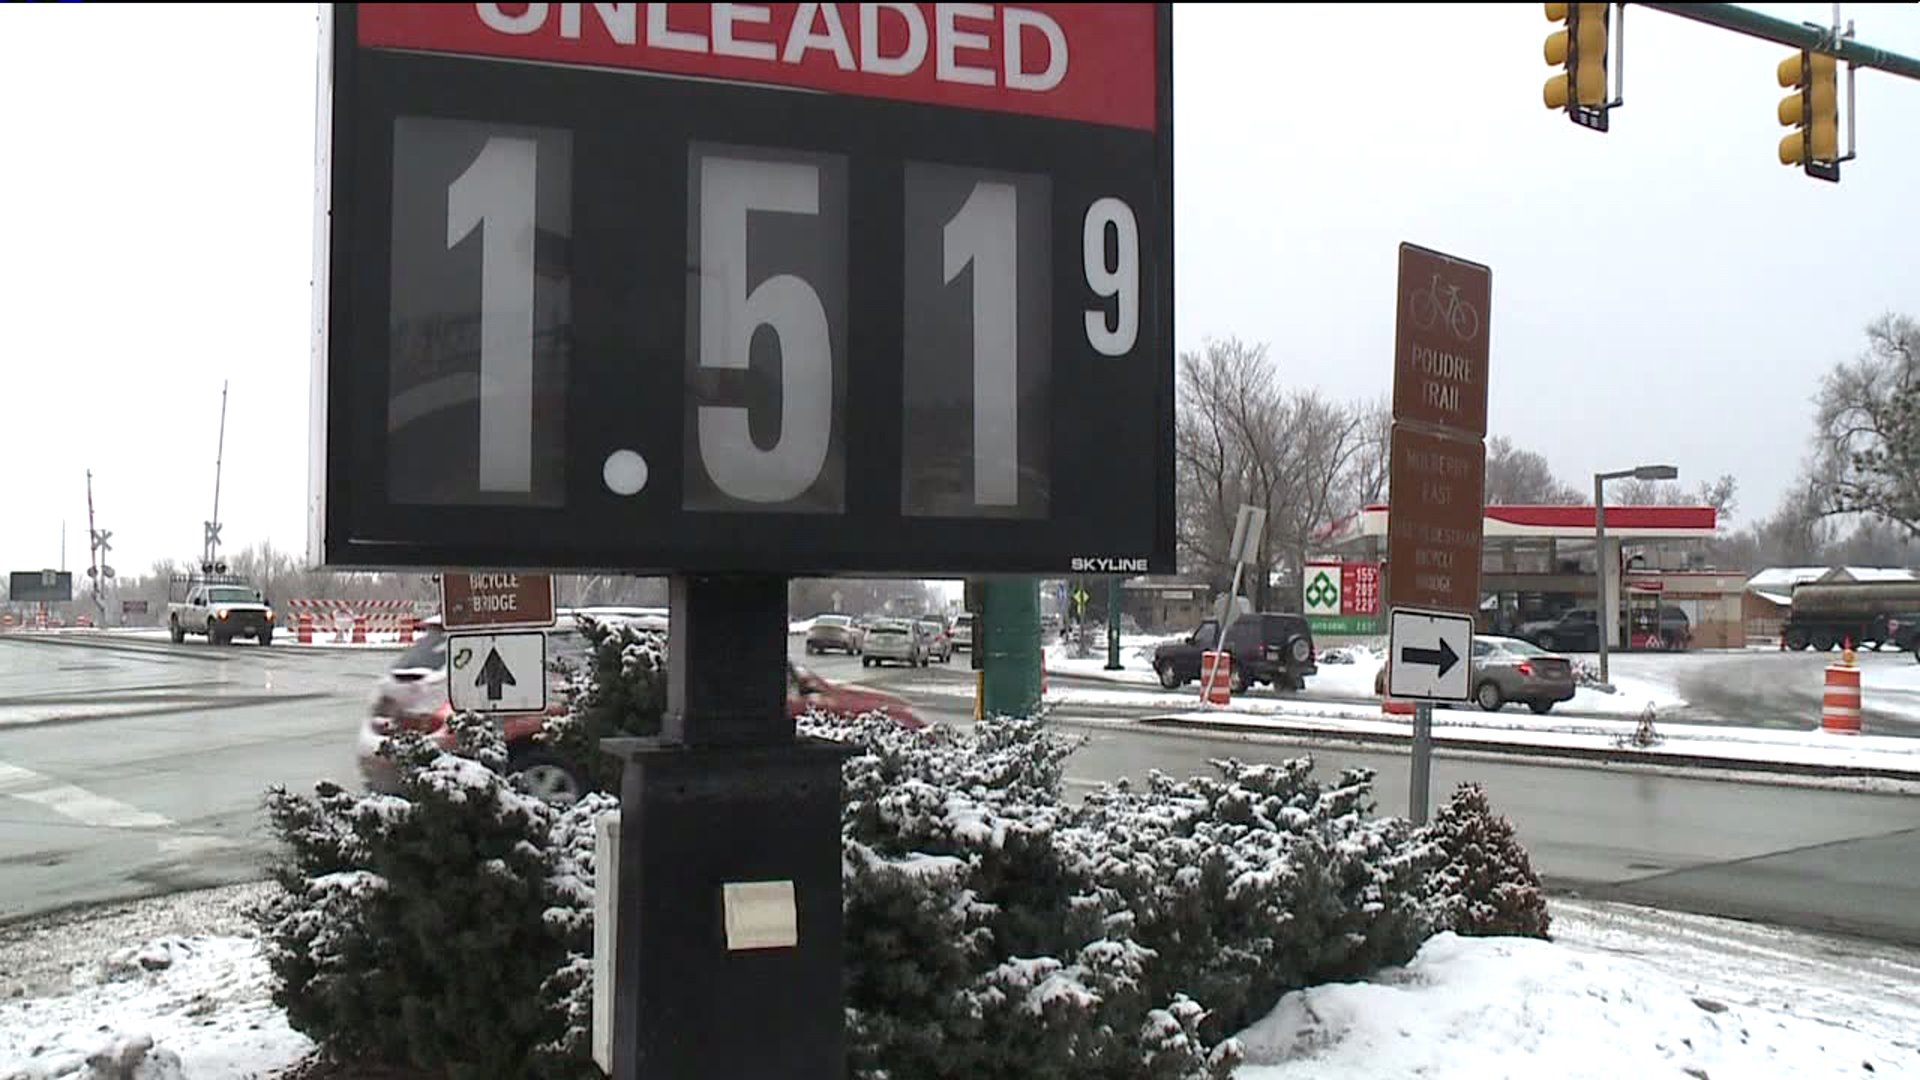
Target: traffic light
[[1580, 48], [1813, 111]]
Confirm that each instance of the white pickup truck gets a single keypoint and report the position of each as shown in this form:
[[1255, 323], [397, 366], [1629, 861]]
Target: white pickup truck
[[221, 613]]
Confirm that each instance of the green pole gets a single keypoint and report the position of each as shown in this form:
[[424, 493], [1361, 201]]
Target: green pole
[[1794, 35], [1010, 659], [1113, 624]]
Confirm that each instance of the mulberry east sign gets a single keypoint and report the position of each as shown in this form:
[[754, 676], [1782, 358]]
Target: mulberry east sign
[[600, 290]]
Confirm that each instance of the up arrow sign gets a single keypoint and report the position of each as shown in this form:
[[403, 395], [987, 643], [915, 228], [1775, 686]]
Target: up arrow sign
[[1425, 650], [493, 673]]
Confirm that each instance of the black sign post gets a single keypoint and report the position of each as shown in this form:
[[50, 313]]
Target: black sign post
[[736, 293]]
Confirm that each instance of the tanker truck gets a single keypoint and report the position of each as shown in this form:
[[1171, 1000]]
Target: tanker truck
[[1825, 615]]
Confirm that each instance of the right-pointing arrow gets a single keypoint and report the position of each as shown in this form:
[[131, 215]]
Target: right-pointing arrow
[[1442, 658]]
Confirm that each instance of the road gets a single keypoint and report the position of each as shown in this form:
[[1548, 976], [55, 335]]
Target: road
[[135, 767]]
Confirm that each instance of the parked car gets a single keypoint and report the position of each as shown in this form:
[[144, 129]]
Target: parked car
[[939, 641], [895, 640], [1578, 630], [833, 633], [1272, 647], [1509, 669]]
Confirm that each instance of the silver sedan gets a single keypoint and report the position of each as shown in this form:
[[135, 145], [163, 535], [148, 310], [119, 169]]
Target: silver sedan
[[1509, 669]]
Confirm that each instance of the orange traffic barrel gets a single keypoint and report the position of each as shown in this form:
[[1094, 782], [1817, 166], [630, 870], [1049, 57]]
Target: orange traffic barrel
[[1216, 672], [1840, 706]]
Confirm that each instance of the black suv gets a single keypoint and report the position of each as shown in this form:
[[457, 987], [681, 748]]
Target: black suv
[[1268, 648], [1577, 630]]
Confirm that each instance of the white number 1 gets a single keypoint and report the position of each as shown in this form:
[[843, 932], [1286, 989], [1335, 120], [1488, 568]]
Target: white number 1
[[497, 195], [984, 235]]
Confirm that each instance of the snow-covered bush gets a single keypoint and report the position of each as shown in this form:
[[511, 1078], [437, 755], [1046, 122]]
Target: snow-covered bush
[[994, 930], [437, 928], [1486, 885], [620, 690], [1257, 881], [979, 942]]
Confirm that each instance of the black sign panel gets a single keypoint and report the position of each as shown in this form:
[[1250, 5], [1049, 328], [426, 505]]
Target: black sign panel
[[40, 586], [747, 288]]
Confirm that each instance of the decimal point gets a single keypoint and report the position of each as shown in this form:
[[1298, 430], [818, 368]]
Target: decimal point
[[625, 472]]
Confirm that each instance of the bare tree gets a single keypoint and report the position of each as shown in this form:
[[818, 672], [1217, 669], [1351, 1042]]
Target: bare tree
[[1328, 441], [1720, 493], [1242, 438], [1225, 448], [1867, 427], [1521, 477]]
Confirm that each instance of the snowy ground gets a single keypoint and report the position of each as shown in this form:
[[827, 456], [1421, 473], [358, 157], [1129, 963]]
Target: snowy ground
[[183, 970], [1622, 991], [1608, 718]]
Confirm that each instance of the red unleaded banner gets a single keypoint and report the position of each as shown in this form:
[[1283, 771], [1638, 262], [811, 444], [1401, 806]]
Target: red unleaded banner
[[1086, 62]]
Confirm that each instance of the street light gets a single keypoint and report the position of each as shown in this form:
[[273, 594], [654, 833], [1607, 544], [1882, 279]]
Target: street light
[[1602, 617]]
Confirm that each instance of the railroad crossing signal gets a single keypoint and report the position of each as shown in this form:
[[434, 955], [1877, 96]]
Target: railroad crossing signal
[[1581, 49], [1813, 111]]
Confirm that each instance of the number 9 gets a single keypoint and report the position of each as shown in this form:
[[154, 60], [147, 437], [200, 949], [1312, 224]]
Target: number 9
[[1121, 282]]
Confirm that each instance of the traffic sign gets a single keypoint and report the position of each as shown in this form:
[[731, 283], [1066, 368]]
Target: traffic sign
[[601, 291], [40, 586], [497, 672], [1429, 655], [496, 599], [1437, 467], [1441, 321]]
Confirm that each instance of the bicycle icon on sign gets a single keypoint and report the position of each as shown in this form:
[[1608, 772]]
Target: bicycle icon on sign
[[1437, 303]]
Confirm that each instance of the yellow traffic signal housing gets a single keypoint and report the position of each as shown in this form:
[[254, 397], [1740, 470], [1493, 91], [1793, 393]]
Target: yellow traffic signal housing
[[1581, 49], [1813, 111]]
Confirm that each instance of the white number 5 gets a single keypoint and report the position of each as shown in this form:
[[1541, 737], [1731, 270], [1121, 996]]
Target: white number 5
[[1121, 281], [730, 315]]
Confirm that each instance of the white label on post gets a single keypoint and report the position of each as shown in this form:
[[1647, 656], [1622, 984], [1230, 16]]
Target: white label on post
[[760, 915]]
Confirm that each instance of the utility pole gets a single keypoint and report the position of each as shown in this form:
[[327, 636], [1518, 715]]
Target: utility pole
[[211, 550]]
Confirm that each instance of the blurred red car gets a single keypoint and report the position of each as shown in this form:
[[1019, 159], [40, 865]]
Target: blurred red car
[[413, 697]]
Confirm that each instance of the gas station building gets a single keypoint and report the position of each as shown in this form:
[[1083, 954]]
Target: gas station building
[[1538, 561]]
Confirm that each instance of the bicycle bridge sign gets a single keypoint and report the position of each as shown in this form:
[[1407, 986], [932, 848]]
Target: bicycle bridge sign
[[1438, 468]]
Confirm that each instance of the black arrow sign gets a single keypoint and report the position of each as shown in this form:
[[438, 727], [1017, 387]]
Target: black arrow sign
[[494, 674], [1443, 657]]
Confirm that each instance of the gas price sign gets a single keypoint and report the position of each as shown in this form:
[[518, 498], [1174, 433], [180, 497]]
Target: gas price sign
[[787, 288]]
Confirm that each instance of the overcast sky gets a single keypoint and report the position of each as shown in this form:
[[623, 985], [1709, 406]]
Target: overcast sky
[[1666, 291]]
